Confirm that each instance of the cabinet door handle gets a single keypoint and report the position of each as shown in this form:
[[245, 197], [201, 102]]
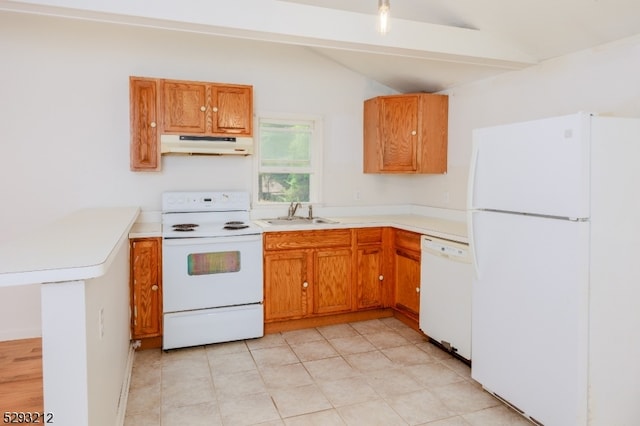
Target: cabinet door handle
[[417, 289], [305, 284], [153, 124], [381, 277], [413, 133], [215, 109], [154, 287]]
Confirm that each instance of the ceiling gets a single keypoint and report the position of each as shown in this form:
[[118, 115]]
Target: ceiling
[[432, 45], [541, 29]]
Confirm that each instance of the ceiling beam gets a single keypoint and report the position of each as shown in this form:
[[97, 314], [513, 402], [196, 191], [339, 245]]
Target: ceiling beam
[[292, 23]]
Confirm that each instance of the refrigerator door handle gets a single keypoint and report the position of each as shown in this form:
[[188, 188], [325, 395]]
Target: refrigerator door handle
[[471, 184], [472, 244], [471, 189]]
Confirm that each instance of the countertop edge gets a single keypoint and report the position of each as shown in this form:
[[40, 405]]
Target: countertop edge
[[49, 273], [154, 229], [405, 222]]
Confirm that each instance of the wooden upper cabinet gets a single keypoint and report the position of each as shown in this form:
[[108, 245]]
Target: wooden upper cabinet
[[144, 121], [207, 109], [233, 109], [184, 107], [406, 134], [193, 108], [399, 131]]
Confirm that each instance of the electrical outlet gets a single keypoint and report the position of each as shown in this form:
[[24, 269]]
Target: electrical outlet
[[356, 195], [445, 197]]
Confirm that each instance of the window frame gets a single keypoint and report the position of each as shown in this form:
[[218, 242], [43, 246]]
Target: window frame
[[316, 153]]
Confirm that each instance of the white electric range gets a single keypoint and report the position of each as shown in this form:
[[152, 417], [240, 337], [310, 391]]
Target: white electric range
[[212, 269]]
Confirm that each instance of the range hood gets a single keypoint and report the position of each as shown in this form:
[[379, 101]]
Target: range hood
[[206, 145]]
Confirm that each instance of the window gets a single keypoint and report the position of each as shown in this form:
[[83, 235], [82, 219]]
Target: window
[[289, 153]]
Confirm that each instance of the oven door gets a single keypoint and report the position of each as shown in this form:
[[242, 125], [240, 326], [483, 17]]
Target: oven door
[[203, 273]]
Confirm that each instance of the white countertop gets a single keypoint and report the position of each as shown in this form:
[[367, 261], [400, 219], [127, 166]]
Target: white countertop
[[77, 247], [437, 227], [450, 229], [146, 230]]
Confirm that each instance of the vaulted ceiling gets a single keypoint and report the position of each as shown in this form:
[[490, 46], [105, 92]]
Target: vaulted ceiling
[[432, 44]]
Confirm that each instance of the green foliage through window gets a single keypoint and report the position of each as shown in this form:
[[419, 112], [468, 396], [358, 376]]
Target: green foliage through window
[[286, 160], [284, 187]]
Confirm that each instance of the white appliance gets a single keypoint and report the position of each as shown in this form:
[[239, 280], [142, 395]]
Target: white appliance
[[206, 145], [445, 294], [554, 232], [212, 269]]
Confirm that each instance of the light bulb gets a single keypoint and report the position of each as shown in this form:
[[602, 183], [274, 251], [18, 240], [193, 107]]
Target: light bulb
[[383, 12]]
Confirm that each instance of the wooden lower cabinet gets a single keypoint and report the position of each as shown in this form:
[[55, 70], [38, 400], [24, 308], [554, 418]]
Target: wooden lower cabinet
[[407, 278], [285, 294], [332, 281], [307, 273], [370, 267], [146, 288], [322, 273], [406, 256]]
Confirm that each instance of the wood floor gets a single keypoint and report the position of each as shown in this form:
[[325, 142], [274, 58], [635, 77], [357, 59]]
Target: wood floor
[[21, 375]]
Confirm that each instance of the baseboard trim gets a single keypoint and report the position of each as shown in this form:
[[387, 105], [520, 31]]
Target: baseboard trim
[[297, 324], [124, 391], [20, 334]]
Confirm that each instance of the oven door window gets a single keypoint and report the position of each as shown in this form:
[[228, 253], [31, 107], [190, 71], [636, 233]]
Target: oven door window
[[213, 263]]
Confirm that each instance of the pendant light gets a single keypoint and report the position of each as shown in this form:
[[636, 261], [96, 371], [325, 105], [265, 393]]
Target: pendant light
[[383, 16]]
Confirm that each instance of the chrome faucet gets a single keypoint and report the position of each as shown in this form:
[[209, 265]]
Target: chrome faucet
[[310, 212], [292, 209]]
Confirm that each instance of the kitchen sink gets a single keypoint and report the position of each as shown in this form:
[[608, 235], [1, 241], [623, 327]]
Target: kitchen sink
[[297, 220]]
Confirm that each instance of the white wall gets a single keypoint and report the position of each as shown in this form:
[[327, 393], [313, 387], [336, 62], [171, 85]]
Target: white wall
[[86, 345], [64, 130], [602, 80], [65, 112], [64, 127]]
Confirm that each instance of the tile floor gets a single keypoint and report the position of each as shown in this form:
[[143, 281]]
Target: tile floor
[[377, 372]]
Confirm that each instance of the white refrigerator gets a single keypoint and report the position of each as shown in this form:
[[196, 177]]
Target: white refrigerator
[[554, 219]]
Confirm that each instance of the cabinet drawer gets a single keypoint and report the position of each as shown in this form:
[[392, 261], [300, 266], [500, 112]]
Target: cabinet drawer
[[307, 239], [368, 235], [407, 240]]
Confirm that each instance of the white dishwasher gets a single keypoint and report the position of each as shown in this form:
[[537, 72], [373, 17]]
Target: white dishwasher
[[445, 294]]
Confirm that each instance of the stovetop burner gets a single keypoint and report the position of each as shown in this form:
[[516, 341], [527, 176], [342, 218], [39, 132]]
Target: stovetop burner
[[208, 214], [183, 226], [235, 225]]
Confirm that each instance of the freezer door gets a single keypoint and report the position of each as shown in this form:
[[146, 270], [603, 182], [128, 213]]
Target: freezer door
[[530, 313], [539, 167]]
